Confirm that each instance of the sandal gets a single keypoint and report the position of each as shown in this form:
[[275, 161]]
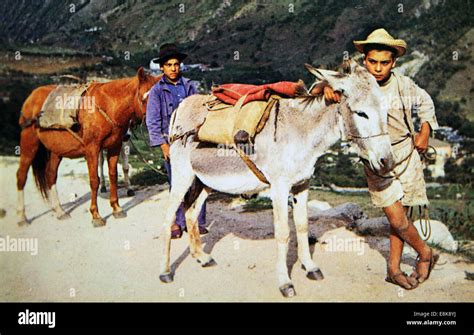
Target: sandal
[[176, 232], [392, 279], [432, 262]]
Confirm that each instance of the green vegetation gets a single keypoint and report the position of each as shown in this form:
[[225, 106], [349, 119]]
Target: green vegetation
[[341, 170], [153, 171], [257, 204]]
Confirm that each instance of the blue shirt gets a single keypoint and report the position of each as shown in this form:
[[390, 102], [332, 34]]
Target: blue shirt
[[164, 98], [178, 91]]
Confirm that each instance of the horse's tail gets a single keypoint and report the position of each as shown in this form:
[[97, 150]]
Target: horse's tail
[[39, 169]]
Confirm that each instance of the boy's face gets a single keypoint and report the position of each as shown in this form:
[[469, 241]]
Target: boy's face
[[171, 69], [379, 63]]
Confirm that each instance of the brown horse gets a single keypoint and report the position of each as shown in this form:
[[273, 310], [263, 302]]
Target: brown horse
[[101, 125]]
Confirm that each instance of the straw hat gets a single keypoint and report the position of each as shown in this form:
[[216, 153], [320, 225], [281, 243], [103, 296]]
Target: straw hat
[[381, 36]]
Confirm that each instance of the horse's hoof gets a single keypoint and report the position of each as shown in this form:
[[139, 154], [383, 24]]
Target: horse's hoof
[[288, 290], [166, 278], [210, 263], [119, 214], [315, 275], [64, 216], [99, 222], [103, 189], [130, 193]]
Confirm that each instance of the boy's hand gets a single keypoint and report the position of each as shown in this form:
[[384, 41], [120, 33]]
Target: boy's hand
[[165, 148], [421, 138], [330, 95]]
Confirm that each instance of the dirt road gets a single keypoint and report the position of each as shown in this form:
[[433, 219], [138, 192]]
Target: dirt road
[[76, 262]]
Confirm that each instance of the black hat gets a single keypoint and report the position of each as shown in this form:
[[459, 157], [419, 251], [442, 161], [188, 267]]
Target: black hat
[[169, 50]]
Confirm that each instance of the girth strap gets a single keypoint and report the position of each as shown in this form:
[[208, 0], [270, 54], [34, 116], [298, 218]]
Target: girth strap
[[251, 165], [75, 135]]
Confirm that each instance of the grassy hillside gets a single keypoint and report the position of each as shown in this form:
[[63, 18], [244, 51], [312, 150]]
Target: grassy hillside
[[256, 41]]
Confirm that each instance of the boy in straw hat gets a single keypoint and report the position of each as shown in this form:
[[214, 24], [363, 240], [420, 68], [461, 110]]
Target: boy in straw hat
[[405, 186]]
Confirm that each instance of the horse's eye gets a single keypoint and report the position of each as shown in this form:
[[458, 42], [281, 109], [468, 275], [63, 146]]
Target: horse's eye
[[362, 114]]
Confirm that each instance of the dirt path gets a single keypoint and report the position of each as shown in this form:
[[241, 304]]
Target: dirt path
[[76, 262]]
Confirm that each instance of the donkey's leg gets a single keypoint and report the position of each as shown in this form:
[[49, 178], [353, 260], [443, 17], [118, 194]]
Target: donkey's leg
[[279, 194], [124, 152], [300, 216], [103, 187], [29, 144], [51, 177], [92, 157], [112, 159], [195, 245], [182, 181]]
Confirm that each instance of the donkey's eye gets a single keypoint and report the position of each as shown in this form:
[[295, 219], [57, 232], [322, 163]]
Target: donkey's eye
[[362, 114]]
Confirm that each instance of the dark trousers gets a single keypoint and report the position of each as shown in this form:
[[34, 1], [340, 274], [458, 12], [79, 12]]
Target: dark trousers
[[180, 220]]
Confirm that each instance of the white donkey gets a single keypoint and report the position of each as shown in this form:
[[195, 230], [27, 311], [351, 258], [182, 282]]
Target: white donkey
[[297, 133]]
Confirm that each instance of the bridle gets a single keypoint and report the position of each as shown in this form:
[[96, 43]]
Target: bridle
[[141, 102], [350, 137]]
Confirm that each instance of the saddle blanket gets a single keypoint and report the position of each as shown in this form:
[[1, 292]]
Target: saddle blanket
[[59, 110], [231, 93]]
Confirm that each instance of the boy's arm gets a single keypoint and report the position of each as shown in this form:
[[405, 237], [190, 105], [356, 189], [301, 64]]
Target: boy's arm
[[154, 122], [424, 106]]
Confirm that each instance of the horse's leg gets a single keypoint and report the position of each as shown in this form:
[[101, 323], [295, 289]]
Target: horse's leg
[[103, 187], [182, 181], [300, 217], [29, 144], [51, 177], [112, 160], [192, 226], [279, 195], [92, 157], [124, 152]]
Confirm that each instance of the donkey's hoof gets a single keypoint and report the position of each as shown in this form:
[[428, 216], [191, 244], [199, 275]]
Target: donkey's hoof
[[315, 275], [119, 214], [130, 193], [23, 223], [288, 290], [103, 189], [209, 263], [166, 278], [99, 222], [63, 216]]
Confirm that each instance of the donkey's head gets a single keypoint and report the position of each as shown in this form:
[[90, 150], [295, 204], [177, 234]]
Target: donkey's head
[[363, 112], [145, 83]]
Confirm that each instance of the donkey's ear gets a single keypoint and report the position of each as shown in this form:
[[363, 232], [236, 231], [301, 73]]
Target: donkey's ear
[[350, 66], [333, 78], [141, 74], [323, 74]]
